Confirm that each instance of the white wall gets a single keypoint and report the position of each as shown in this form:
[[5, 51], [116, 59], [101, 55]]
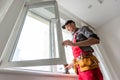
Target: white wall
[[110, 41], [4, 6], [8, 19]]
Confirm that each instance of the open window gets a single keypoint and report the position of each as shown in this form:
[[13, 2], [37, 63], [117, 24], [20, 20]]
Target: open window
[[36, 37]]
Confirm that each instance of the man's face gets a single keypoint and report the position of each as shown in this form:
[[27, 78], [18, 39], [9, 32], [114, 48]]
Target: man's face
[[70, 27]]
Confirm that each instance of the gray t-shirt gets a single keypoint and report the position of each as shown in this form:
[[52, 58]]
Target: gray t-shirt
[[84, 33]]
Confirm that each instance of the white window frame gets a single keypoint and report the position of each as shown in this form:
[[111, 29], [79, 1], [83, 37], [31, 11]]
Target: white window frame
[[18, 14]]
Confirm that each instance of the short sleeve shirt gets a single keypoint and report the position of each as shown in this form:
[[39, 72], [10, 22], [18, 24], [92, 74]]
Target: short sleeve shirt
[[83, 34]]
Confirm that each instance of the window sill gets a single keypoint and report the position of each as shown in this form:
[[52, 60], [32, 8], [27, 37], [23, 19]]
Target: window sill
[[36, 73]]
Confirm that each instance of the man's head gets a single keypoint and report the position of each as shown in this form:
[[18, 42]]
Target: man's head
[[69, 25]]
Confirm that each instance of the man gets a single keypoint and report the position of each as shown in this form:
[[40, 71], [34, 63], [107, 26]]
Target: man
[[83, 38]]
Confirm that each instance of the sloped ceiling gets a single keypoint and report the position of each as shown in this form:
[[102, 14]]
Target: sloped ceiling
[[94, 12]]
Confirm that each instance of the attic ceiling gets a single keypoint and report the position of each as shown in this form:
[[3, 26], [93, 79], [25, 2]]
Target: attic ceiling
[[94, 12]]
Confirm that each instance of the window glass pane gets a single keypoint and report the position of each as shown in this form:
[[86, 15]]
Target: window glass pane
[[34, 41], [61, 69], [56, 54], [48, 12], [68, 50]]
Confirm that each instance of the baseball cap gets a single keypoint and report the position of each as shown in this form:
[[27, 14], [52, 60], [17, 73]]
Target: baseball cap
[[67, 22]]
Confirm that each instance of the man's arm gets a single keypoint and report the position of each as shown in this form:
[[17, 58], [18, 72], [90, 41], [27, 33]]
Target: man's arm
[[88, 42]]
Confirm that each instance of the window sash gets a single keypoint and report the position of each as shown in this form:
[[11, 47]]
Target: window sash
[[18, 27]]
